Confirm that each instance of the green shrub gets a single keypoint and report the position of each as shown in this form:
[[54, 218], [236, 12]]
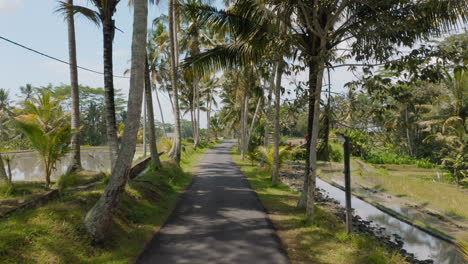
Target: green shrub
[[6, 190], [336, 152], [189, 140], [298, 154], [387, 157]]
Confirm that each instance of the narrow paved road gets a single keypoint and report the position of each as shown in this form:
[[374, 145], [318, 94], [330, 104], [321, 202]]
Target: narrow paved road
[[218, 220]]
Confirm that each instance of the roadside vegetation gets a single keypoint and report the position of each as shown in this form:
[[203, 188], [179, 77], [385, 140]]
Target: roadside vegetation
[[323, 240], [55, 233], [402, 109]]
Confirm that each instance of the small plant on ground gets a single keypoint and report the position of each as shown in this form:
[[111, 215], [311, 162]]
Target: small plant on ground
[[268, 156]]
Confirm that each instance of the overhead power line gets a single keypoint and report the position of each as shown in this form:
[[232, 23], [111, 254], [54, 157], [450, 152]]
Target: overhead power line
[[56, 59]]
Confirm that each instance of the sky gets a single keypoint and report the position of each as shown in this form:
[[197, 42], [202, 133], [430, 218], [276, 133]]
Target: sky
[[34, 23]]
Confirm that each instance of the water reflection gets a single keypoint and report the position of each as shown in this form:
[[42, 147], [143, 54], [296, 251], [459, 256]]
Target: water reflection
[[421, 244], [27, 166]]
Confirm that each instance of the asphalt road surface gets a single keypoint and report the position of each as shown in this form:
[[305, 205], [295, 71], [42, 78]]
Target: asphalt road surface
[[219, 219]]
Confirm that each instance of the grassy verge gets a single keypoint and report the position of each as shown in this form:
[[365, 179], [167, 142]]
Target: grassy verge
[[320, 241], [55, 233], [410, 181]]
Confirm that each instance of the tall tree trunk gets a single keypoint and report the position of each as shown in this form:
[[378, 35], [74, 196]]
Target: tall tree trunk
[[3, 175], [245, 118], [111, 123], [98, 219], [208, 116], [175, 152], [10, 176], [408, 134], [150, 114], [254, 118], [313, 75], [145, 120], [266, 138], [325, 151], [310, 208], [279, 73], [160, 111], [75, 163]]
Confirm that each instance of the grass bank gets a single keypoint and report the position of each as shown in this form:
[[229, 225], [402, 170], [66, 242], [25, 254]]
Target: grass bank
[[55, 233], [322, 241], [421, 184]]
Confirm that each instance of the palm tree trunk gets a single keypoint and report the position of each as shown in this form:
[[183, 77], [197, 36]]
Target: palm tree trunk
[[325, 151], [408, 134], [111, 123], [150, 114], [279, 73], [310, 119], [75, 163], [310, 207], [144, 124], [197, 114], [160, 111], [98, 219], [252, 124], [3, 176], [10, 176], [175, 152], [244, 129], [208, 116]]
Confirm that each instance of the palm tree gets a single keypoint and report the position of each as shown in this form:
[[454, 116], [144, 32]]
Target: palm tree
[[104, 17], [99, 217], [4, 102], [269, 157], [175, 152], [157, 52], [150, 114], [27, 91], [47, 128], [75, 162]]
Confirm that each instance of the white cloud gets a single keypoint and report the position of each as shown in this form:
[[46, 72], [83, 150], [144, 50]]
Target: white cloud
[[9, 6]]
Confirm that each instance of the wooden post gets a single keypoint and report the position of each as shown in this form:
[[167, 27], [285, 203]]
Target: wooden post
[[347, 173]]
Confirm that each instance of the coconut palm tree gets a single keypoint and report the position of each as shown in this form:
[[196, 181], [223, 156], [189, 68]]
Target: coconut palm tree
[[150, 114], [48, 129], [103, 16], [27, 91], [175, 152], [98, 218], [157, 50], [75, 162], [4, 101]]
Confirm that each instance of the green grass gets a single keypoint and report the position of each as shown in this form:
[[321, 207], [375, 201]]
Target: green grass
[[320, 241], [55, 233], [410, 181], [74, 179]]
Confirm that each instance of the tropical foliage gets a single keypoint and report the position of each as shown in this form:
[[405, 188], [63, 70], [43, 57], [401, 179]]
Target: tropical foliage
[[47, 128]]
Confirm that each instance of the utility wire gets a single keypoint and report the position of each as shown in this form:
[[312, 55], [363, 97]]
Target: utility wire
[[56, 59]]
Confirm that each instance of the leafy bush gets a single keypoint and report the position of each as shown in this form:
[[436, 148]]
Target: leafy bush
[[189, 140], [268, 156], [253, 156], [360, 143], [165, 144], [298, 154], [336, 152], [6, 190], [387, 157]]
